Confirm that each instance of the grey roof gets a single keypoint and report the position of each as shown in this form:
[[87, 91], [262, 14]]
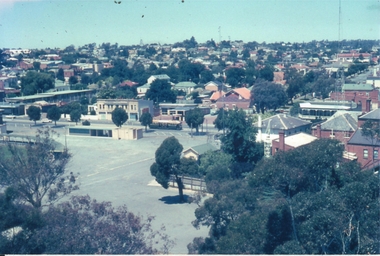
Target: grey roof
[[185, 85], [145, 86], [163, 76], [358, 139], [341, 121], [284, 122], [358, 87], [203, 148], [374, 114]]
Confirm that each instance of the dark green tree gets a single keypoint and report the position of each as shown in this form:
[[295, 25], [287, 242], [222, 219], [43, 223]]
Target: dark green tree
[[167, 163], [194, 118], [206, 76], [34, 82], [54, 114], [160, 91], [60, 75], [267, 95], [266, 73], [37, 65], [146, 119], [34, 113], [240, 139], [221, 120], [75, 115], [119, 116], [295, 83], [73, 80], [235, 76]]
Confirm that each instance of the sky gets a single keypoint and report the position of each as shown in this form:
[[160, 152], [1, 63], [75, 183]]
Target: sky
[[39, 24]]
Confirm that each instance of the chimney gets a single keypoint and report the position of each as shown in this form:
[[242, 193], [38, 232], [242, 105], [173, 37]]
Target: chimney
[[281, 133], [367, 106], [319, 133]]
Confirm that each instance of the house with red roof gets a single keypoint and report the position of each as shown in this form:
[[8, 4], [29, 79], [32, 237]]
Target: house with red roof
[[128, 83], [233, 99]]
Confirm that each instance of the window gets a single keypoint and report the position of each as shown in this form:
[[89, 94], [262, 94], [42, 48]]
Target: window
[[365, 153], [375, 154]]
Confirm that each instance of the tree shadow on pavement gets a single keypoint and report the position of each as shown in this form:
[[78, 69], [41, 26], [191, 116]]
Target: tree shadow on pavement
[[174, 199]]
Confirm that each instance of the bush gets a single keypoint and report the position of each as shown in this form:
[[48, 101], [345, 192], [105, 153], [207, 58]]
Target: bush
[[86, 122]]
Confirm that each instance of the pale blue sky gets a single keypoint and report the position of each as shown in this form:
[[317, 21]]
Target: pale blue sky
[[59, 23]]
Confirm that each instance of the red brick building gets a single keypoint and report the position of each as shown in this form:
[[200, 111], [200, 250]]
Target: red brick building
[[365, 149], [285, 143], [341, 126], [360, 94]]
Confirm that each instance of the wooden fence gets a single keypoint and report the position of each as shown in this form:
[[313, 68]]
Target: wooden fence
[[191, 183]]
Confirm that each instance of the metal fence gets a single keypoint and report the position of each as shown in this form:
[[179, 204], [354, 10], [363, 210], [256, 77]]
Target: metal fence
[[191, 183]]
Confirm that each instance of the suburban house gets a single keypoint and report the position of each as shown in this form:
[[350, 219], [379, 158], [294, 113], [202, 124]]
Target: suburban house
[[197, 151], [134, 108], [187, 87], [285, 143], [340, 126], [213, 86], [352, 56], [152, 78], [239, 98], [360, 94]]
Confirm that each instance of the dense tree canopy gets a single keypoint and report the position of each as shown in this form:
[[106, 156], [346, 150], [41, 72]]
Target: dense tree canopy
[[267, 95], [146, 119], [81, 226], [160, 91], [34, 82], [240, 139], [194, 118], [34, 113], [168, 162], [305, 201], [54, 114], [119, 116]]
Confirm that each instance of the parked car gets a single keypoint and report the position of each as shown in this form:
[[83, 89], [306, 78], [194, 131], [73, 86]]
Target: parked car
[[46, 120]]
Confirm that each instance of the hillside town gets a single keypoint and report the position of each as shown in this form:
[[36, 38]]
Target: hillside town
[[336, 85], [275, 145]]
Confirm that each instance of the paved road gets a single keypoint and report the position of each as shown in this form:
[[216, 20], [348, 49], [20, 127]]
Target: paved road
[[118, 171]]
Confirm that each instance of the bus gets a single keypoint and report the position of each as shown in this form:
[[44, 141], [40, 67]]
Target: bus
[[166, 124]]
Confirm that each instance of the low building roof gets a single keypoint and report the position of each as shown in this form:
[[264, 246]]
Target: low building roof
[[298, 139], [374, 115], [201, 149], [358, 87], [340, 121], [185, 85], [358, 139], [283, 122]]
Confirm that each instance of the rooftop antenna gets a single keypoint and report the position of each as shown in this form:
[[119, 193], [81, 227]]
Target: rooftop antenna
[[339, 85], [220, 34]]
